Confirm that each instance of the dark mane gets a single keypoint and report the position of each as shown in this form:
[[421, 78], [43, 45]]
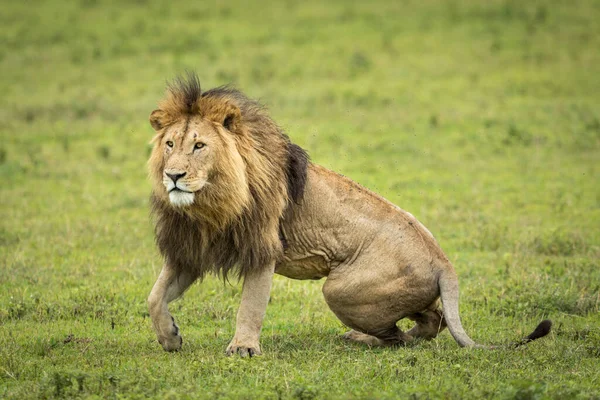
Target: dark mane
[[185, 92], [296, 171], [208, 237]]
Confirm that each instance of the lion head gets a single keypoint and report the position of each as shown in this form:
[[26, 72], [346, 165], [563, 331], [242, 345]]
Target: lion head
[[223, 173]]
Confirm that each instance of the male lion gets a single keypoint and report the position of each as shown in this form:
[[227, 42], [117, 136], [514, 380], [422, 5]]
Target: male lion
[[231, 193]]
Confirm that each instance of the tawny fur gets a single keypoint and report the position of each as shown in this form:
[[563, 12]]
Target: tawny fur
[[260, 207]]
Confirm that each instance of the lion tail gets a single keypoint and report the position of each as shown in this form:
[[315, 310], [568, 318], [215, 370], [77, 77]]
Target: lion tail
[[448, 283]]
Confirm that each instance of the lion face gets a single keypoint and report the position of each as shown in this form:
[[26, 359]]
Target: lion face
[[189, 155], [193, 156]]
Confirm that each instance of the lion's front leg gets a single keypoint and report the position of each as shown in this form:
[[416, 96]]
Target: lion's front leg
[[255, 296], [169, 286]]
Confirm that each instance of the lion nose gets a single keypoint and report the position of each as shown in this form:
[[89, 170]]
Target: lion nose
[[175, 177]]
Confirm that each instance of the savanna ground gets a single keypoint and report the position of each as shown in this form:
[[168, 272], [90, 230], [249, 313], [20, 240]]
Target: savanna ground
[[480, 118]]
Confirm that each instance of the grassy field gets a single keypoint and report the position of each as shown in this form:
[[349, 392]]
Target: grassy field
[[480, 118]]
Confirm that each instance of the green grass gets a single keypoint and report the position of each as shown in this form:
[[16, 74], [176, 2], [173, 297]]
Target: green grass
[[480, 118]]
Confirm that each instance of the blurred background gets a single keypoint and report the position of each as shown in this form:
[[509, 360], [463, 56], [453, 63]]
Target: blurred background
[[482, 118]]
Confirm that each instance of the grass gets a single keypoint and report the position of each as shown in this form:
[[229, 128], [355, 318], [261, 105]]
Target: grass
[[481, 118]]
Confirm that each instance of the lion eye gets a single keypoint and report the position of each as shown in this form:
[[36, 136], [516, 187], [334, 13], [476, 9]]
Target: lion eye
[[169, 143], [199, 146]]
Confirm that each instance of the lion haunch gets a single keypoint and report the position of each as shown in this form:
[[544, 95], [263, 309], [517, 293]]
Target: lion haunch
[[232, 194]]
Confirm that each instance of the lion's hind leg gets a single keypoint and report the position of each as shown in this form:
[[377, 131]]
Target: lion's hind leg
[[428, 323]]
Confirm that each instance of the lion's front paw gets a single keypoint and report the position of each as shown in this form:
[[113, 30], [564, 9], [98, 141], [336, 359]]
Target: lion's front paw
[[243, 349], [172, 341]]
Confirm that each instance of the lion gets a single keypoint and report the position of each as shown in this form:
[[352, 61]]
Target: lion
[[231, 194]]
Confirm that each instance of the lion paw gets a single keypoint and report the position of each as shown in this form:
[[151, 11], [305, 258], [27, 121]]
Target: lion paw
[[359, 337], [172, 341], [243, 350]]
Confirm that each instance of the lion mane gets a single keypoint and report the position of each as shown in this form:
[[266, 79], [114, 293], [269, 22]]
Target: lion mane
[[228, 228]]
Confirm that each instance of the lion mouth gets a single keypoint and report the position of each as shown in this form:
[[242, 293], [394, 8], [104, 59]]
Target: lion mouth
[[176, 189]]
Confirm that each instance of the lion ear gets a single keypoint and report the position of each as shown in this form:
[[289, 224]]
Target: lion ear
[[229, 122], [157, 119], [229, 116]]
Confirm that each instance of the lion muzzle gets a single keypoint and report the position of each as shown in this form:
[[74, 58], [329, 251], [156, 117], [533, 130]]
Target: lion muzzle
[[179, 193]]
